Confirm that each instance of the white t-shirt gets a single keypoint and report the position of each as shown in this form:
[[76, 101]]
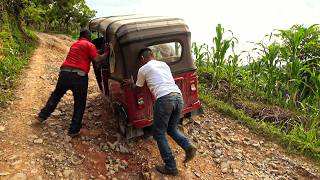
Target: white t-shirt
[[159, 79]]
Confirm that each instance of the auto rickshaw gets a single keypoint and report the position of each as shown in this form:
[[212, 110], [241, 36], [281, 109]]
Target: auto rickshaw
[[169, 38]]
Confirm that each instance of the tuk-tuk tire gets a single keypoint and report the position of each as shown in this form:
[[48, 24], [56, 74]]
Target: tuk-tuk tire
[[121, 117]]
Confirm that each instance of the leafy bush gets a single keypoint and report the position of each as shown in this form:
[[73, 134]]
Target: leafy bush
[[14, 55]]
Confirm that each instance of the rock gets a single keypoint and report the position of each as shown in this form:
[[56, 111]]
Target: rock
[[53, 134], [76, 161], [235, 165], [235, 140], [235, 170], [2, 129], [146, 175], [67, 172], [225, 166], [4, 173], [38, 141], [19, 176], [60, 157], [218, 152], [111, 172], [111, 145], [124, 163], [34, 171], [273, 165], [153, 176], [197, 174], [32, 137], [90, 109], [217, 160], [104, 147], [226, 140], [67, 139], [59, 174], [185, 121], [224, 128], [16, 162], [219, 134], [14, 157], [218, 145], [56, 113], [101, 177], [97, 114], [123, 149], [256, 145]]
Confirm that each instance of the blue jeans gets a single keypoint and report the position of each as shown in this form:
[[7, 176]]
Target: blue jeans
[[166, 116]]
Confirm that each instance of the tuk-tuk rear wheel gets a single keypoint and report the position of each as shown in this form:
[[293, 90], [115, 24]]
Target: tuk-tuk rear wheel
[[126, 129], [122, 123]]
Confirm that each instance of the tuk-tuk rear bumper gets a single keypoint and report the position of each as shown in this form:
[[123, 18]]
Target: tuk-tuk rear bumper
[[141, 123], [194, 106]]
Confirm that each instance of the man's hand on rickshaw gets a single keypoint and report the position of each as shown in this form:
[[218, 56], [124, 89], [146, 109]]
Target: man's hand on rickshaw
[[127, 82], [107, 48]]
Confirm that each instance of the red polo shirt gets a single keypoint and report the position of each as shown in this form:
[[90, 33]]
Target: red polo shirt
[[80, 55]]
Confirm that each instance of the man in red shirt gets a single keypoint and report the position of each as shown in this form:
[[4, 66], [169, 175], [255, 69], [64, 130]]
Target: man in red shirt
[[74, 76]]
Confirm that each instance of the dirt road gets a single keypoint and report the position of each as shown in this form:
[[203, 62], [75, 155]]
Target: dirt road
[[32, 151]]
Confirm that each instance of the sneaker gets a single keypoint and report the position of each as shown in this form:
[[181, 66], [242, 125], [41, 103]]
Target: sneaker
[[164, 170], [190, 153], [73, 134], [40, 119]]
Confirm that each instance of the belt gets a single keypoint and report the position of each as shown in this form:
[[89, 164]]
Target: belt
[[72, 69], [174, 94]]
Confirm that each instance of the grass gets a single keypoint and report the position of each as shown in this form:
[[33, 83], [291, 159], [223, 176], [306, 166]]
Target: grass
[[14, 56], [297, 141]]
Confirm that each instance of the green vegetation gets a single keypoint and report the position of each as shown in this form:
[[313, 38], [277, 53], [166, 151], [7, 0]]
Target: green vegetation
[[275, 85], [16, 46], [56, 15], [298, 141]]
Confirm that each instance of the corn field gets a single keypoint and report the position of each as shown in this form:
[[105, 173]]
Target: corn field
[[284, 69]]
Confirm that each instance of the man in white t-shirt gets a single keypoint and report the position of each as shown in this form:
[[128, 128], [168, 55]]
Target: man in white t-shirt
[[166, 110]]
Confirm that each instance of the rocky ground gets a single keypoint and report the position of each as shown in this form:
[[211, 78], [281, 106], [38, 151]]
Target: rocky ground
[[29, 150]]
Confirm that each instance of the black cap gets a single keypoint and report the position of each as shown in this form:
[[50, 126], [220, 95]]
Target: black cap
[[84, 32]]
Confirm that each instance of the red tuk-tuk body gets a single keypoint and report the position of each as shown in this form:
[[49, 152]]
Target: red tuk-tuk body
[[169, 38]]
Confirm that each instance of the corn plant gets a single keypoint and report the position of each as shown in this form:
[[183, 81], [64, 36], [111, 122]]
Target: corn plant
[[294, 40]]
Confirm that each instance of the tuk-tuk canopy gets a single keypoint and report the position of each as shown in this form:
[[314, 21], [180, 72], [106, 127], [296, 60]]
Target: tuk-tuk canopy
[[130, 26], [130, 33]]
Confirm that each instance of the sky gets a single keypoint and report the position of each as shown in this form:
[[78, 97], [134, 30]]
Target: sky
[[249, 20]]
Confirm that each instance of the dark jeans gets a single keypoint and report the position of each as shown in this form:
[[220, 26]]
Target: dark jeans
[[166, 115], [79, 87]]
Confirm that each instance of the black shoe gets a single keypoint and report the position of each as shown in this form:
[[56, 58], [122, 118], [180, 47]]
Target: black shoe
[[190, 153], [73, 134], [164, 170], [40, 119]]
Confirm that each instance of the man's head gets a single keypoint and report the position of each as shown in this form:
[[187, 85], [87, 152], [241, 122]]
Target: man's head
[[85, 33], [145, 55]]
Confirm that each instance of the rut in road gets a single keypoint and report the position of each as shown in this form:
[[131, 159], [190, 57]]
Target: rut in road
[[226, 150]]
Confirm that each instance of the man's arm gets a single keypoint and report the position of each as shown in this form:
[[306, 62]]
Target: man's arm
[[99, 57], [103, 56], [137, 87]]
